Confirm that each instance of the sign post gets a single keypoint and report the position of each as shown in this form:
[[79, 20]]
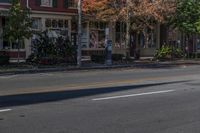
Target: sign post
[[79, 33]]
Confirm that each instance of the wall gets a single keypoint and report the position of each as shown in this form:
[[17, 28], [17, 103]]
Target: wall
[[60, 7]]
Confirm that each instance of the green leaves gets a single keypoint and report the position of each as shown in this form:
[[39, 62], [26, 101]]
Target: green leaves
[[187, 17], [18, 25]]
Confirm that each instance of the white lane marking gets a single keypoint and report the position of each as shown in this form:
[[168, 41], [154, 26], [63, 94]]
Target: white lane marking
[[132, 95], [5, 110]]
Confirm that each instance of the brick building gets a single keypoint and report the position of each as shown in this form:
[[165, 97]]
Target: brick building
[[59, 16]]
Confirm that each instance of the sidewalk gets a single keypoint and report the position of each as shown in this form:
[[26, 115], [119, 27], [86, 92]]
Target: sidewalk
[[143, 64]]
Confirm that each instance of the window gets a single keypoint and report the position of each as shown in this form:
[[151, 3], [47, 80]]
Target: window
[[48, 23], [13, 45], [36, 23], [47, 3], [5, 1], [148, 41], [120, 35], [56, 23], [72, 3], [97, 34]]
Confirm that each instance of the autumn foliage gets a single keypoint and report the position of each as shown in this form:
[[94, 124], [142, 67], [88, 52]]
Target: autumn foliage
[[142, 13]]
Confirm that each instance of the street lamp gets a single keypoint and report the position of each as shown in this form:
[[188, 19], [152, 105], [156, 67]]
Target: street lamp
[[79, 33]]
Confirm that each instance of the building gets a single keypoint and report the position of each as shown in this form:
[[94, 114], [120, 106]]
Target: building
[[93, 39], [59, 16]]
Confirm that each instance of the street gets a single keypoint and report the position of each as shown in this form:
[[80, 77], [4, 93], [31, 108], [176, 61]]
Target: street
[[151, 100]]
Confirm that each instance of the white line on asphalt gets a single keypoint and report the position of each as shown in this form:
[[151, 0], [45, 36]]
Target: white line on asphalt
[[5, 110], [133, 95]]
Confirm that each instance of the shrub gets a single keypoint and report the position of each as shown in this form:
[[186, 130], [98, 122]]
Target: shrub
[[117, 57], [178, 53], [48, 50], [167, 52], [33, 59], [98, 58], [4, 59]]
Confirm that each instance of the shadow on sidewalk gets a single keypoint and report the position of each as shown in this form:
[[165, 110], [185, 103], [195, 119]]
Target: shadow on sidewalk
[[34, 98]]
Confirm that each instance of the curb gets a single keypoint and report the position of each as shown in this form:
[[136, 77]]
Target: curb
[[134, 65], [46, 70]]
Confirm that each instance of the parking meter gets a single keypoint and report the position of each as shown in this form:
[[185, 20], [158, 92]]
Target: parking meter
[[109, 52]]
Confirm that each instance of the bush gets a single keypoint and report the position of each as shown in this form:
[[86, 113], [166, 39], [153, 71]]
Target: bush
[[49, 51], [33, 59], [167, 52], [98, 58], [4, 59], [178, 53], [117, 57]]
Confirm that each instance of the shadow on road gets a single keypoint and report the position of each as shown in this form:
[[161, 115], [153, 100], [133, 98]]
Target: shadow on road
[[34, 98]]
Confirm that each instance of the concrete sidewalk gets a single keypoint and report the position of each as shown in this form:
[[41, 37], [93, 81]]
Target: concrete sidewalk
[[143, 64]]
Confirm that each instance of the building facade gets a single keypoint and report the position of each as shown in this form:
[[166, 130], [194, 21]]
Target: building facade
[[58, 16], [93, 39]]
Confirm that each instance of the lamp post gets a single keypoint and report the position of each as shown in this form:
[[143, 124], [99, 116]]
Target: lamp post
[[79, 33]]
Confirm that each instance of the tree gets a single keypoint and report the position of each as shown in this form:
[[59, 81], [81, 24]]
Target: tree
[[107, 10], [18, 26], [187, 20], [187, 17], [142, 14]]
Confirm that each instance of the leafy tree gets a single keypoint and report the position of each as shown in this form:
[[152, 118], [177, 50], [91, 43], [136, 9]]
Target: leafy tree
[[187, 17], [143, 14], [18, 26]]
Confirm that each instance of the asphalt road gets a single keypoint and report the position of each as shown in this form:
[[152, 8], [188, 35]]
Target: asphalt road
[[161, 100]]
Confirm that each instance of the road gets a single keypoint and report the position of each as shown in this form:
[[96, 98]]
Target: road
[[160, 100]]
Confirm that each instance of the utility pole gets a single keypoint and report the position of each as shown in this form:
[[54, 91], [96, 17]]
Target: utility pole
[[127, 26], [79, 33]]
